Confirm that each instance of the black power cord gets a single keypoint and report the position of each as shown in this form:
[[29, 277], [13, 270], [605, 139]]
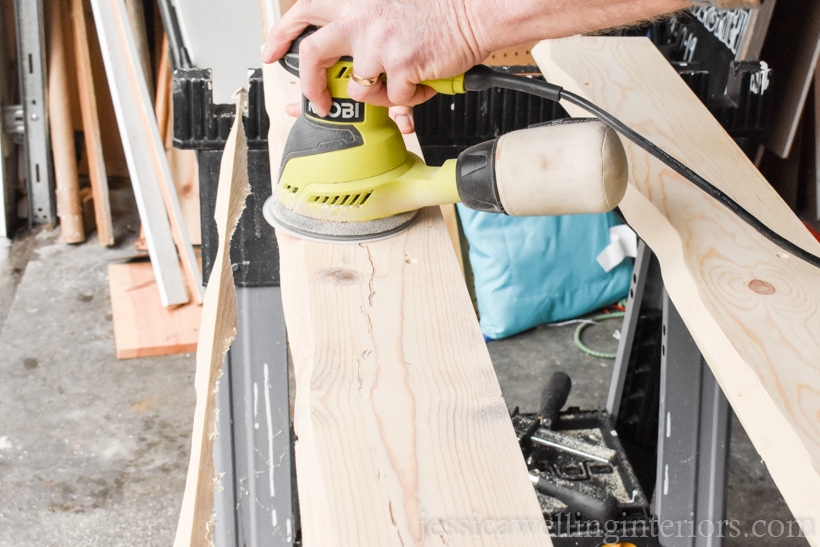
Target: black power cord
[[481, 77]]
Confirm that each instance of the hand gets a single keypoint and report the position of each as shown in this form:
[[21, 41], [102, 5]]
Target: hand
[[415, 40], [407, 40], [402, 115]]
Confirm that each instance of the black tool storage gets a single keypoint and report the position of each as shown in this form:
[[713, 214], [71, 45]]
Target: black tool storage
[[203, 126], [448, 124], [703, 44], [632, 521]]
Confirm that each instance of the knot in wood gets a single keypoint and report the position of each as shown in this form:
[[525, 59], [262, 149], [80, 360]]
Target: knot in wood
[[762, 287], [342, 276]]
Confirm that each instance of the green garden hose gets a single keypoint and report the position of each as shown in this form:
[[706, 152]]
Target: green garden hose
[[595, 321]]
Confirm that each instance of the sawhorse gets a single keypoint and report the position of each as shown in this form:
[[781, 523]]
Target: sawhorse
[[693, 414]]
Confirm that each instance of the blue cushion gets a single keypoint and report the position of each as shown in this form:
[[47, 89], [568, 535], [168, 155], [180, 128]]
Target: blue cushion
[[534, 270]]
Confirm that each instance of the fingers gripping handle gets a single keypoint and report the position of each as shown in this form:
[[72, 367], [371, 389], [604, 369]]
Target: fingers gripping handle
[[561, 168]]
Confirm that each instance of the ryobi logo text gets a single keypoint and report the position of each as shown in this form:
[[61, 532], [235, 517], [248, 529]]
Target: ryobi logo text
[[341, 110]]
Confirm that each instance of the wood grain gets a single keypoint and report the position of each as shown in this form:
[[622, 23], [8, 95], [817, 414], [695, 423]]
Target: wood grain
[[66, 178], [218, 329], [91, 126], [753, 309], [185, 173], [143, 327], [162, 99], [403, 435]]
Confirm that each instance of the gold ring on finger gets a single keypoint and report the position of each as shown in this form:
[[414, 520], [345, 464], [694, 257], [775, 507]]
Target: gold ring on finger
[[364, 82]]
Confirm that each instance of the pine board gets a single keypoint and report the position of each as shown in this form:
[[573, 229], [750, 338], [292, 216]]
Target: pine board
[[64, 157], [91, 126], [402, 432], [753, 310]]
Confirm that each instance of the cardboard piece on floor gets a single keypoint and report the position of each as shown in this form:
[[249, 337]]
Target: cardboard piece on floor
[[143, 327]]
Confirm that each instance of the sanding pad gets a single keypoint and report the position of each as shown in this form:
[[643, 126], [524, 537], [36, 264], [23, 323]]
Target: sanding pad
[[304, 227]]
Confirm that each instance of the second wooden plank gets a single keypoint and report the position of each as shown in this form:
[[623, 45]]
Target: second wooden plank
[[67, 181], [91, 126], [752, 308]]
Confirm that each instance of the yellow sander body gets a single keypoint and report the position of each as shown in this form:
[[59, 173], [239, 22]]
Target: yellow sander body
[[349, 176]]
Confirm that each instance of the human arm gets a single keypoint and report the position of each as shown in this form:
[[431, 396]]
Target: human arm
[[415, 40]]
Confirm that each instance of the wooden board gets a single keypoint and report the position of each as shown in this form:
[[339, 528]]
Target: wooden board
[[752, 43], [448, 211], [403, 435], [143, 327], [512, 56], [185, 172], [67, 182], [91, 126], [270, 11], [753, 310], [219, 322], [10, 174], [136, 16]]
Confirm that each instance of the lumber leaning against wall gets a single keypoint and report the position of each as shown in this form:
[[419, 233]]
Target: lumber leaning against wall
[[402, 433], [69, 208], [150, 175], [91, 126], [753, 309]]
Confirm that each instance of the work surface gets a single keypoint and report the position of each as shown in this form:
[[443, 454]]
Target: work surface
[[92, 450]]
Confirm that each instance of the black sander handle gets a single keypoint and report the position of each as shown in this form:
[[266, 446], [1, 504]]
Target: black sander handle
[[290, 61], [553, 398]]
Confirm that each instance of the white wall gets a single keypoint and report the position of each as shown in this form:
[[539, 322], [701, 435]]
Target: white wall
[[225, 36]]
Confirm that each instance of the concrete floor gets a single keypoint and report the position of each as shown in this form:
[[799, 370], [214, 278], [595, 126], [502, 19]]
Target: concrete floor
[[93, 451]]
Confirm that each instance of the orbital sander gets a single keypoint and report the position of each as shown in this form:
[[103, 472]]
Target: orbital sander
[[348, 176]]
